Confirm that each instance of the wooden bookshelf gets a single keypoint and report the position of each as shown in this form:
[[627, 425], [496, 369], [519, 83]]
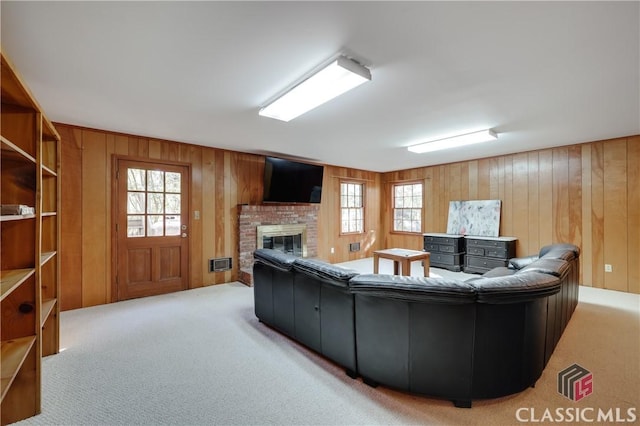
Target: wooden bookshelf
[[30, 243]]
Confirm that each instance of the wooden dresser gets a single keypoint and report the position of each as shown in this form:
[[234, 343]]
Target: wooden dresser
[[447, 250], [486, 253]]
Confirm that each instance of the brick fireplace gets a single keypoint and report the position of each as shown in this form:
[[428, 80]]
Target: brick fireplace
[[281, 226]]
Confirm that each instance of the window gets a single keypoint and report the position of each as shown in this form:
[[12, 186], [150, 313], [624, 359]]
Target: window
[[351, 208], [407, 207], [153, 203]]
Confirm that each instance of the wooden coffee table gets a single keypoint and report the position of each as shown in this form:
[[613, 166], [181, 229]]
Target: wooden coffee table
[[401, 257]]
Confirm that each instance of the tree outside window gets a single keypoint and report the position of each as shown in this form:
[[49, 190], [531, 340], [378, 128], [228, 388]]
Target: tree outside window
[[407, 207], [351, 208]]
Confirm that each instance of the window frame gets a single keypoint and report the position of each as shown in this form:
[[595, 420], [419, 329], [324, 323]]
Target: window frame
[[393, 207], [362, 207]]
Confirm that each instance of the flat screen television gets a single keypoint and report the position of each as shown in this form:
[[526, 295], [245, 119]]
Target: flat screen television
[[287, 181]]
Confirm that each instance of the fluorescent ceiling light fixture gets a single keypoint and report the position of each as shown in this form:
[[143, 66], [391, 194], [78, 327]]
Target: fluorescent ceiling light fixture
[[454, 141], [339, 76]]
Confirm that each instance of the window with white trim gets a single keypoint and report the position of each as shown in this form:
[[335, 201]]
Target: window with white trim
[[351, 208], [407, 207]]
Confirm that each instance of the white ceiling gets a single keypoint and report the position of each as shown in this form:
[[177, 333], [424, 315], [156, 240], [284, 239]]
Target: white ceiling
[[541, 74]]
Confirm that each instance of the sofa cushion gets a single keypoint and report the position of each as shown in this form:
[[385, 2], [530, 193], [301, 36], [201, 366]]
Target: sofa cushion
[[334, 274], [275, 258], [555, 267], [413, 288], [516, 288]]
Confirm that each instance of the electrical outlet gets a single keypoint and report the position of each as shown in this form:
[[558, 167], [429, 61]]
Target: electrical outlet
[[608, 268], [332, 250]]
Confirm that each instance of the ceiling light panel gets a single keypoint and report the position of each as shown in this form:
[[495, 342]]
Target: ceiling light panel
[[454, 141], [338, 77]]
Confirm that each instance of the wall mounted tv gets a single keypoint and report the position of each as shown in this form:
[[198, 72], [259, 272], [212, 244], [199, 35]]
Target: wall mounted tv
[[287, 181]]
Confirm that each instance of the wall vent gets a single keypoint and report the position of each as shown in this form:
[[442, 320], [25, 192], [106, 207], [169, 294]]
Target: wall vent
[[219, 264], [354, 247]]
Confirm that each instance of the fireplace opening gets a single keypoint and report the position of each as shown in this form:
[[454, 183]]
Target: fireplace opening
[[288, 238], [290, 244]]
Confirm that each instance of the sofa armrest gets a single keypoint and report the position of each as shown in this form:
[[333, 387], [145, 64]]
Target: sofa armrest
[[275, 258], [560, 251]]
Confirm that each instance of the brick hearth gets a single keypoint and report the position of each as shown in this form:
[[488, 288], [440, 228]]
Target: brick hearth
[[272, 214]]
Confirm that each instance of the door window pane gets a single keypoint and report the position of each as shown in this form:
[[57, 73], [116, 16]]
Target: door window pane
[[135, 226], [172, 225], [172, 204], [156, 203], [135, 202], [136, 179], [156, 181], [155, 225], [172, 182]]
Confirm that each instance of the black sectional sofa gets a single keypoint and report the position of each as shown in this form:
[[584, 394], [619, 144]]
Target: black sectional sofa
[[486, 337]]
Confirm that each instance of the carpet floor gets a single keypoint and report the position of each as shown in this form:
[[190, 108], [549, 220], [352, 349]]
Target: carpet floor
[[200, 357]]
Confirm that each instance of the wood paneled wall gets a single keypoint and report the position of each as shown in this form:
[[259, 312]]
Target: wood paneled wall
[[221, 180], [586, 194], [329, 216]]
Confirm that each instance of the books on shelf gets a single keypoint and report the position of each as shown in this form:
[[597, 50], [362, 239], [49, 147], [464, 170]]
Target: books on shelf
[[16, 209]]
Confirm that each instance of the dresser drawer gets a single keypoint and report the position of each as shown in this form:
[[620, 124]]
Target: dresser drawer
[[500, 253], [447, 249], [488, 243], [482, 264], [489, 252], [443, 243], [500, 248], [436, 259], [438, 248], [430, 247], [439, 240], [475, 251]]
